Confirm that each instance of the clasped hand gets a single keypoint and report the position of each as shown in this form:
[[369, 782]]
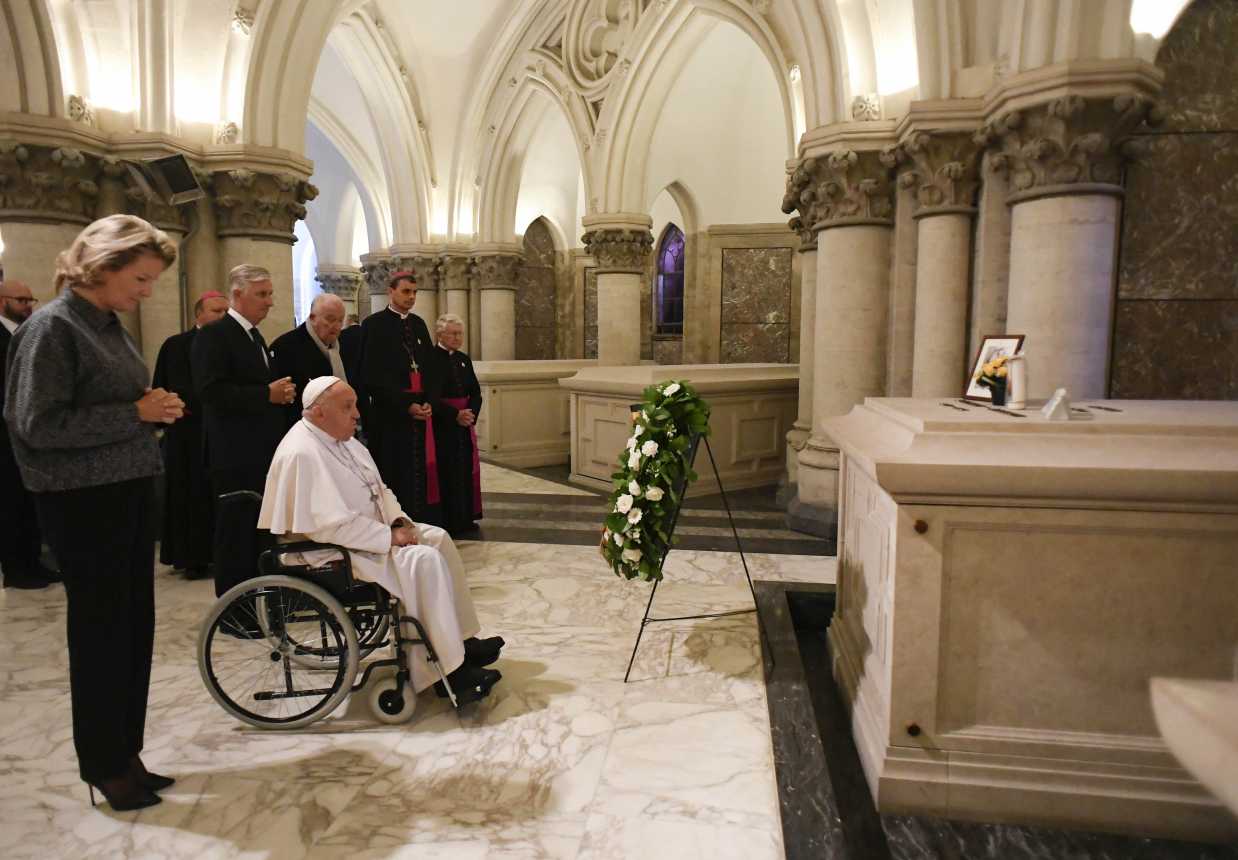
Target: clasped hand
[[422, 411], [405, 535], [466, 418], [159, 406], [282, 391]]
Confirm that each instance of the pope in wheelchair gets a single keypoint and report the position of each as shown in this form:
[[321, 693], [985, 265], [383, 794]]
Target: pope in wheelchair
[[295, 653]]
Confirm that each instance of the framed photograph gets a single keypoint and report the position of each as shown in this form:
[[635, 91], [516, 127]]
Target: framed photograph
[[991, 346]]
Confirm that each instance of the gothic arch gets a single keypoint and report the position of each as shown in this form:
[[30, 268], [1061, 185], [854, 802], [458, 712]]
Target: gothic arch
[[31, 64]]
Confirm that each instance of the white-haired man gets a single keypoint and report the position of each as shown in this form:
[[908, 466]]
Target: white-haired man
[[323, 485], [243, 400], [455, 417], [314, 348]]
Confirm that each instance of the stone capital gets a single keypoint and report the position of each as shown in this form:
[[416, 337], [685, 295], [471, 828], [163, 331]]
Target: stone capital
[[375, 270], [619, 249], [342, 281], [259, 205], [423, 266], [47, 183], [844, 187], [1068, 145], [454, 271], [944, 169], [498, 271]]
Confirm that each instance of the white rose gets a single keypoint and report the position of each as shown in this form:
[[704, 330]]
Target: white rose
[[634, 460], [634, 488], [673, 388], [634, 516], [623, 504], [654, 494], [617, 538], [632, 444], [649, 448], [639, 430], [632, 555]]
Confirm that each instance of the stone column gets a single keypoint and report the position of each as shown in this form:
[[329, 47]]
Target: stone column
[[497, 267], [454, 295], [1065, 170], [474, 329], [944, 174], [375, 269], [621, 245], [802, 428], [47, 195], [255, 213], [847, 195], [342, 281]]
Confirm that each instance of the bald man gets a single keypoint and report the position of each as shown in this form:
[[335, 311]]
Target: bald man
[[313, 348], [20, 539]]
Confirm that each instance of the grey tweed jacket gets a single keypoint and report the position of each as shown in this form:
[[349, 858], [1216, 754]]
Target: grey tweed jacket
[[74, 375]]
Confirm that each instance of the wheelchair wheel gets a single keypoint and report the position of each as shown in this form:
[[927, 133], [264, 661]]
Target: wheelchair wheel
[[389, 706], [252, 652], [315, 649]]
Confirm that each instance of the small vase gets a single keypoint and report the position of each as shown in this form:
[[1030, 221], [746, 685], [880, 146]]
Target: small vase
[[998, 390]]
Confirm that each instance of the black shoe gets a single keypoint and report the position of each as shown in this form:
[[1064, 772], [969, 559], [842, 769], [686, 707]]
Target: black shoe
[[25, 581], [469, 683], [482, 652], [45, 572], [124, 794], [145, 778], [199, 572]]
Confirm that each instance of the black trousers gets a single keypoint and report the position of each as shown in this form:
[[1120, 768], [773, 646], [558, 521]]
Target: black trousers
[[20, 539], [238, 541], [104, 540]]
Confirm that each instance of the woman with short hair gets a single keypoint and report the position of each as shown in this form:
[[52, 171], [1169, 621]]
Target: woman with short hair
[[83, 419]]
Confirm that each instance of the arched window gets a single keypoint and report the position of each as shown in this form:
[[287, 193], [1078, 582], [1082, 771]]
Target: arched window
[[668, 289]]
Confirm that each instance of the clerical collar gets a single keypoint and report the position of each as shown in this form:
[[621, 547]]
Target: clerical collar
[[322, 435], [8, 323], [397, 313], [445, 349], [236, 315]]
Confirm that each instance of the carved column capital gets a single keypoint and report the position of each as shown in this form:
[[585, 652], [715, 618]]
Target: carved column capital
[[422, 266], [342, 281], [376, 269], [498, 271], [619, 250], [944, 169], [454, 271], [44, 183], [842, 188], [259, 205], [1070, 145]]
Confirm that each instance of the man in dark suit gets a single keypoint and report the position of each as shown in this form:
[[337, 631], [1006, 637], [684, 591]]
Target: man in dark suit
[[189, 509], [243, 402], [20, 539], [314, 348], [350, 348]]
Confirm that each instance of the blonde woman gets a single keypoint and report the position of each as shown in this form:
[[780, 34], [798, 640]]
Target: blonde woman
[[82, 419]]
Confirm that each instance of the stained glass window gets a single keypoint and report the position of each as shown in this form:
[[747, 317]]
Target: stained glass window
[[668, 289]]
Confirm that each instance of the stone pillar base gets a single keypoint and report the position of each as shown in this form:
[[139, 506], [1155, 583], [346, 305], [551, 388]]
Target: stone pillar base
[[816, 520]]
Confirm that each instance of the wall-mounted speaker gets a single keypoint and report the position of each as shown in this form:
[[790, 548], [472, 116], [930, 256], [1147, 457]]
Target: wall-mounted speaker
[[167, 177]]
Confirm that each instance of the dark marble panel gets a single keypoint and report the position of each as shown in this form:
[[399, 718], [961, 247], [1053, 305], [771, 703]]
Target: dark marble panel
[[1176, 350], [1180, 220], [668, 350], [535, 342], [539, 245], [756, 342], [756, 285], [1201, 76], [591, 312]]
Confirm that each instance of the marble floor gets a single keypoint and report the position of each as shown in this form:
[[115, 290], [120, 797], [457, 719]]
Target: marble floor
[[563, 760]]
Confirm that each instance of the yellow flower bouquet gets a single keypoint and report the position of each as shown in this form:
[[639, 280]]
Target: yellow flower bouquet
[[993, 375]]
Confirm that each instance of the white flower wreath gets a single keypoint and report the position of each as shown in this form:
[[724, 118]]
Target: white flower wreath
[[653, 473]]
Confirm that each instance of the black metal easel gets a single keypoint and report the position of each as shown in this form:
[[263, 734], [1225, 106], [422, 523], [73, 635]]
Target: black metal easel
[[646, 620]]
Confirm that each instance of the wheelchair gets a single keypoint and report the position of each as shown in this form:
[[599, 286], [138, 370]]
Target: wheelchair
[[283, 649]]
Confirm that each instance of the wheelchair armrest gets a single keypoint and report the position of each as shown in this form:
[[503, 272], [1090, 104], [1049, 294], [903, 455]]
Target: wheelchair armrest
[[270, 561], [241, 494]]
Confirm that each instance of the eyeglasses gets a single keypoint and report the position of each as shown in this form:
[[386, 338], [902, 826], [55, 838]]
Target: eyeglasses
[[21, 300]]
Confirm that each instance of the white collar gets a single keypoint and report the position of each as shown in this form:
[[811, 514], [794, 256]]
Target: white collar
[[320, 433], [397, 313], [317, 340], [245, 324], [9, 324]]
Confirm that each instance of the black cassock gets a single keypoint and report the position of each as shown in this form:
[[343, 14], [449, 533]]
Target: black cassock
[[459, 480], [395, 354], [188, 515]]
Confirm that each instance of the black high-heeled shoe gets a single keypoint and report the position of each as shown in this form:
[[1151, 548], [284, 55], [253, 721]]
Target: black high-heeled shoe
[[147, 779], [124, 794]]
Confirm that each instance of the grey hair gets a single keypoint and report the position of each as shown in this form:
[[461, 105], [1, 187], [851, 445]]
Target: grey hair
[[444, 320], [245, 274], [321, 299]]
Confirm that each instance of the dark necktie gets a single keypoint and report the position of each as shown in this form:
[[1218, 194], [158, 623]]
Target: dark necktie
[[262, 345]]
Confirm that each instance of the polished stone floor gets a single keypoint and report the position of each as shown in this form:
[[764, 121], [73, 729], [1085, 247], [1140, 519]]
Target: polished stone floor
[[564, 759]]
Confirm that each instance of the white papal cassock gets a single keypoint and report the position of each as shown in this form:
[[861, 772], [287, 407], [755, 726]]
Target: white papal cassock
[[330, 491]]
